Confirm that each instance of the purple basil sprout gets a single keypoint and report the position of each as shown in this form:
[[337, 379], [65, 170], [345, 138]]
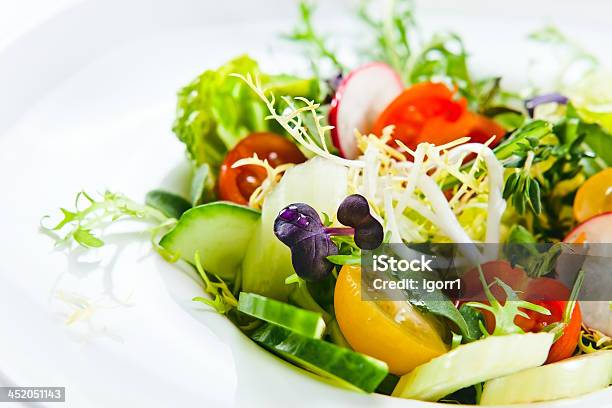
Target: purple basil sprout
[[530, 104], [300, 228], [355, 212]]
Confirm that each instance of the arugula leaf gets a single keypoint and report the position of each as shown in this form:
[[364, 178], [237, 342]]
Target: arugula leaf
[[473, 319], [434, 301], [596, 139]]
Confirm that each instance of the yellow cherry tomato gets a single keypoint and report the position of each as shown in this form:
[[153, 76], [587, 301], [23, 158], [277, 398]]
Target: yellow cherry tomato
[[594, 197], [392, 331]]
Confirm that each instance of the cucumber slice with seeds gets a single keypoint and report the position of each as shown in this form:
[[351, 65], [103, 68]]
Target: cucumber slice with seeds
[[564, 379], [472, 363], [304, 322], [221, 232], [344, 367]]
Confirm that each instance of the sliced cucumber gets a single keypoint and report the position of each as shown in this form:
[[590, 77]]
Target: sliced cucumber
[[305, 322], [347, 368], [472, 363], [564, 379], [221, 232]]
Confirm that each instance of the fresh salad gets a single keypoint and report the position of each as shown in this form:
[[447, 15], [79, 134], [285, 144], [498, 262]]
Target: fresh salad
[[295, 178]]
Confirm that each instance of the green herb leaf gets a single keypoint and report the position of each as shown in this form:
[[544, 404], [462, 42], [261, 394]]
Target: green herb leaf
[[216, 110], [445, 58], [172, 205], [510, 185], [393, 42], [344, 259], [202, 185], [221, 298], [473, 319], [535, 199], [78, 225], [506, 313], [85, 238], [306, 34]]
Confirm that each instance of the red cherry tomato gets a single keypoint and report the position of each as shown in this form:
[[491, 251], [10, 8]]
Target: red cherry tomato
[[484, 128], [516, 278], [546, 292], [237, 184], [551, 293], [431, 112]]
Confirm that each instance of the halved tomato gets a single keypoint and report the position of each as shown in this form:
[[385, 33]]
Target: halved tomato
[[237, 184], [594, 197], [547, 292], [392, 331], [431, 112]]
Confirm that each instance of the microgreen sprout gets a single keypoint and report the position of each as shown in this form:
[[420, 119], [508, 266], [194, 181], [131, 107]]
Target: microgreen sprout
[[355, 212], [313, 251], [299, 227], [222, 299]]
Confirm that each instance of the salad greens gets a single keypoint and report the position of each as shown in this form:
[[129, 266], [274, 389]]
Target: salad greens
[[504, 313], [278, 231], [92, 214], [216, 110], [316, 45]]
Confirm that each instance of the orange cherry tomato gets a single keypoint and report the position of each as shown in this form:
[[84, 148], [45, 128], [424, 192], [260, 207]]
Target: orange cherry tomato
[[431, 112], [237, 184], [546, 292], [594, 197], [392, 331]]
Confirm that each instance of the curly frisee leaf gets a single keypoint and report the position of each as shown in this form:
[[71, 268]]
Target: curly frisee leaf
[[78, 226], [221, 298]]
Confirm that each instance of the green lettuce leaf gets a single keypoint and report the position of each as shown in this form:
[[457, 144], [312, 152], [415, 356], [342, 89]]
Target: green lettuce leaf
[[592, 98], [216, 110]]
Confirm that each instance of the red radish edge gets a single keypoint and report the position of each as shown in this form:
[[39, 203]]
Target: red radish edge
[[377, 85], [576, 231]]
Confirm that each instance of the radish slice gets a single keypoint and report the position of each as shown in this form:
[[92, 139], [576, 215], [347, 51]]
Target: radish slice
[[359, 100], [597, 229], [598, 281]]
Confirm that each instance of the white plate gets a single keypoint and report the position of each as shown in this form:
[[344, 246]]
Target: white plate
[[87, 101]]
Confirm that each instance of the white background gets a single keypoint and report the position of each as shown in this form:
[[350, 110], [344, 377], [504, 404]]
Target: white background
[[81, 121]]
